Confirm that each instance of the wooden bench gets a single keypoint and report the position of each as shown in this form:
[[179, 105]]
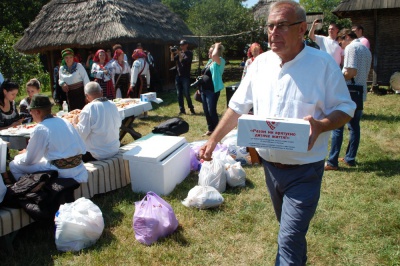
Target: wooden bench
[[103, 176]]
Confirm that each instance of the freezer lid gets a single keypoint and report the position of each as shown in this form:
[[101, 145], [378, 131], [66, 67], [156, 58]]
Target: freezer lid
[[154, 149]]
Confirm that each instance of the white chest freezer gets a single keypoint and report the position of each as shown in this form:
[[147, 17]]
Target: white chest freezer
[[158, 164]]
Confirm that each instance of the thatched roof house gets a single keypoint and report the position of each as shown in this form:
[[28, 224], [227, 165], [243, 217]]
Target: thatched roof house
[[380, 19], [93, 24]]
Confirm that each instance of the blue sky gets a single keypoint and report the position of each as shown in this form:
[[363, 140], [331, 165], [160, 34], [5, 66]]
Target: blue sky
[[250, 3]]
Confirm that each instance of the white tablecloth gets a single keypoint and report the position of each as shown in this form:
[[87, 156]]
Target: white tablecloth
[[134, 109]]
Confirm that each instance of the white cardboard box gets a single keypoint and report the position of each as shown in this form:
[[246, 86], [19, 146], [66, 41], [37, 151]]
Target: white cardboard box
[[287, 134], [158, 164], [148, 97]]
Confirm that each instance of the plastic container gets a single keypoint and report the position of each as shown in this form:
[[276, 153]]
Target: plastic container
[[65, 107]]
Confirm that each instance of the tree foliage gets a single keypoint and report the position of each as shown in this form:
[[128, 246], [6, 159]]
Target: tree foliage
[[15, 16], [20, 67], [180, 7], [325, 6], [225, 19]]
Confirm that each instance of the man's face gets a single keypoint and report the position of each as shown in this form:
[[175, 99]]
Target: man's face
[[184, 47], [333, 31], [286, 35], [34, 113], [356, 31], [344, 41]]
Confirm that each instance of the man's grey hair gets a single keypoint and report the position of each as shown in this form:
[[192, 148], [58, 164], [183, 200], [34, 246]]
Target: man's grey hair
[[92, 87], [301, 14]]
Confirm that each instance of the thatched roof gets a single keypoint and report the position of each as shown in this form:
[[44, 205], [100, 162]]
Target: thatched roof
[[89, 23], [261, 9], [358, 5]]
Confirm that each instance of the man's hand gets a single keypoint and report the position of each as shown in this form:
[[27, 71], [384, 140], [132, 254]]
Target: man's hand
[[206, 150], [315, 130]]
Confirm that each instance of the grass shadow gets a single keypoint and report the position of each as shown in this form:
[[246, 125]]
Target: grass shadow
[[381, 118]]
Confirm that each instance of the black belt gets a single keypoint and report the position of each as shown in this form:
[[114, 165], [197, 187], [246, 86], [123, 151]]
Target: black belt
[[284, 166]]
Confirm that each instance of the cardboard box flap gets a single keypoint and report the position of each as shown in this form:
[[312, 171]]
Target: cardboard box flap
[[154, 149]]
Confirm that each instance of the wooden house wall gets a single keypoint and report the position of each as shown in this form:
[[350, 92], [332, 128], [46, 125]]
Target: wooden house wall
[[381, 28]]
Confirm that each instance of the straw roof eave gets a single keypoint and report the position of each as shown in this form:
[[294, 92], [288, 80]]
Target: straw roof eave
[[85, 24]]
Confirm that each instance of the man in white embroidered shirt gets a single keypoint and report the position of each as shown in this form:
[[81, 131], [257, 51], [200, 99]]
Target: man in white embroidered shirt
[[54, 145], [291, 81], [98, 125]]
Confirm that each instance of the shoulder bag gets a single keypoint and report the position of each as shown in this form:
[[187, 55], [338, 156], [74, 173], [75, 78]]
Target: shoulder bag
[[356, 93]]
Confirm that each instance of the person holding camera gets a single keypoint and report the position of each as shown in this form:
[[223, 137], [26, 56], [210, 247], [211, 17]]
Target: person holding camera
[[328, 43], [183, 61], [211, 85]]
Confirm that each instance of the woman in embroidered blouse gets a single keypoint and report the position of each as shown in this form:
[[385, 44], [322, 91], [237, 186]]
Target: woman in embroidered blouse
[[102, 73], [9, 116], [254, 50], [72, 79], [9, 113], [140, 74], [122, 73], [32, 88], [212, 85]]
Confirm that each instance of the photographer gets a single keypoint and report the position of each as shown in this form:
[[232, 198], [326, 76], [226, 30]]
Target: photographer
[[183, 61]]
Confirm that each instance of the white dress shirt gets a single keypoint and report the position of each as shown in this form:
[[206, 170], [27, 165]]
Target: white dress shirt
[[52, 139], [99, 123], [310, 84]]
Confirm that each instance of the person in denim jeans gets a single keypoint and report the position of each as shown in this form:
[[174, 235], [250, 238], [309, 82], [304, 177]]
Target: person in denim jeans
[[357, 63], [211, 85], [183, 61], [292, 81]]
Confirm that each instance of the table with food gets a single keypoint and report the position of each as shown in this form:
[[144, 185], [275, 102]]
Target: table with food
[[128, 110], [17, 136]]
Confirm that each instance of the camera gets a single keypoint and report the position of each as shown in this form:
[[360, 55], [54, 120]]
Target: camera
[[198, 82], [173, 49]]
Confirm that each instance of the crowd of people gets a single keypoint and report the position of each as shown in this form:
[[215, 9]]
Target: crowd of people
[[275, 83]]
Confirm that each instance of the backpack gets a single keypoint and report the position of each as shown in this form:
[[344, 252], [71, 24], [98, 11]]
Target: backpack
[[172, 127]]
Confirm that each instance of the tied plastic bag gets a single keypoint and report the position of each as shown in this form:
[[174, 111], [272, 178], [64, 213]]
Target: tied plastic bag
[[212, 173], [203, 197], [78, 225], [235, 175], [153, 218]]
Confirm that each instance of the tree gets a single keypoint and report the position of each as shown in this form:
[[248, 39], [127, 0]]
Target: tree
[[325, 6], [19, 67], [225, 18], [16, 16], [180, 7]]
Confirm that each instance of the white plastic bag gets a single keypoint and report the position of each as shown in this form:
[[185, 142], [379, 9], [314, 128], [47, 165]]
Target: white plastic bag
[[223, 156], [212, 173], [235, 175], [203, 197], [78, 225]]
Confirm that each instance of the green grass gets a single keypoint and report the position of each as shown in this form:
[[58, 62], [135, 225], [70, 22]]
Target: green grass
[[357, 221]]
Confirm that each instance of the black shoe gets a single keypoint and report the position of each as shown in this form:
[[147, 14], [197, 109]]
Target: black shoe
[[192, 111], [182, 113]]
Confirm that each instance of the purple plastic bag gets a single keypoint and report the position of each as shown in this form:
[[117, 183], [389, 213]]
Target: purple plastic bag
[[153, 218]]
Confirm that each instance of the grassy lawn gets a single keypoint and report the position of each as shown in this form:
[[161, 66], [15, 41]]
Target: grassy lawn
[[357, 221]]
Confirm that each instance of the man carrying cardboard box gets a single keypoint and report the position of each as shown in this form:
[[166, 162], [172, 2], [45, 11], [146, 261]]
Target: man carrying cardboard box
[[291, 81]]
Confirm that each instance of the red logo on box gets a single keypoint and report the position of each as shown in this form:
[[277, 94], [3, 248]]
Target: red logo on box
[[272, 124]]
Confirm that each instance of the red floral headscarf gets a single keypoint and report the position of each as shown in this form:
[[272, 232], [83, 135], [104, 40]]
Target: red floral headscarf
[[138, 53], [117, 53], [97, 59]]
